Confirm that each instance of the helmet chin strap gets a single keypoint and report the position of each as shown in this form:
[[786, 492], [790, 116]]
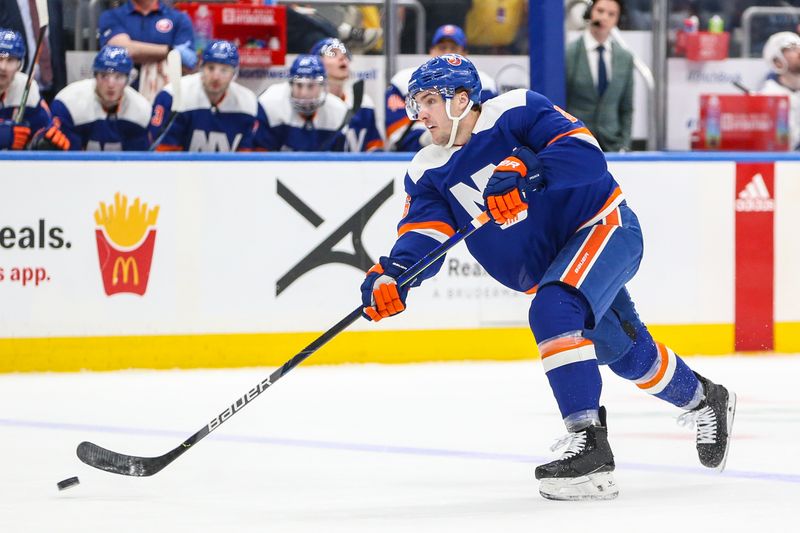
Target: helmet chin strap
[[454, 128]]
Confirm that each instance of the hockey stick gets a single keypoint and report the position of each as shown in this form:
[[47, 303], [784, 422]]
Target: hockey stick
[[174, 72], [131, 465], [44, 20], [358, 98]]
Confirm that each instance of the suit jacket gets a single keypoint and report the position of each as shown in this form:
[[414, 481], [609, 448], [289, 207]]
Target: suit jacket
[[608, 117], [11, 19]]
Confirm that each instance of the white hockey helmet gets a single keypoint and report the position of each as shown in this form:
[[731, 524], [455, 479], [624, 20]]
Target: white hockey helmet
[[774, 47]]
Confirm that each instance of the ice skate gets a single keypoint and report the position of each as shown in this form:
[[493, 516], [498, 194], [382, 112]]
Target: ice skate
[[713, 419], [584, 470]]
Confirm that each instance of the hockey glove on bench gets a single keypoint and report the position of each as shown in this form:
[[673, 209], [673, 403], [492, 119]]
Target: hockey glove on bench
[[518, 175], [380, 294], [13, 136], [51, 138]]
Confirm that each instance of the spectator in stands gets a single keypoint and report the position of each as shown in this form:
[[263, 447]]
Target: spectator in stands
[[308, 25], [437, 14], [492, 25], [403, 135], [782, 53], [298, 114], [600, 78], [15, 135], [101, 113], [149, 30], [215, 114], [22, 16], [361, 134]]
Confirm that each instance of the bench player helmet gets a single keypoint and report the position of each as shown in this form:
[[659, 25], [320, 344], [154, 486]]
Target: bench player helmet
[[113, 59], [220, 51], [327, 45], [11, 44], [774, 47], [308, 81]]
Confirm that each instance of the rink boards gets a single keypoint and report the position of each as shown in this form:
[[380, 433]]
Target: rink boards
[[247, 258]]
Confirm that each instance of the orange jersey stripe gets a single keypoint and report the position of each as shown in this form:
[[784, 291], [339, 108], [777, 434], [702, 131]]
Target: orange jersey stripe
[[377, 144], [533, 289], [441, 227], [593, 244], [614, 218], [563, 344], [662, 352], [571, 132], [405, 121], [169, 148]]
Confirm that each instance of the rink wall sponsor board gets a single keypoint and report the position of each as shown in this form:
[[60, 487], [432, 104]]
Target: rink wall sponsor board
[[214, 261]]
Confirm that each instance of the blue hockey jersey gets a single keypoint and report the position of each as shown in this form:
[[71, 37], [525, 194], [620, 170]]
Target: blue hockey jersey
[[199, 126], [88, 126], [361, 134], [445, 188], [37, 114], [285, 129], [401, 134]]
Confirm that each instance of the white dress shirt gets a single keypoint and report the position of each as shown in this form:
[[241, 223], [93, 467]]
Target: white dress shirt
[[591, 53]]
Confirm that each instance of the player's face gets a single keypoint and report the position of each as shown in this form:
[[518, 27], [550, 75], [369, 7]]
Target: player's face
[[8, 67], [217, 77], [430, 109], [306, 89], [792, 56], [604, 17], [445, 46], [110, 86], [336, 63]]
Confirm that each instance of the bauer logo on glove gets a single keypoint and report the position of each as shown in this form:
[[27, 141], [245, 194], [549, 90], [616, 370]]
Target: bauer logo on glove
[[513, 180]]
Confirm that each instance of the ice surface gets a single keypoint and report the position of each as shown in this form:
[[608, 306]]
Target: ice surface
[[376, 448]]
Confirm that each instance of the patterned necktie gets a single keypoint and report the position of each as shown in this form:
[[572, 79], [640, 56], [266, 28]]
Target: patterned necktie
[[45, 66], [602, 76]]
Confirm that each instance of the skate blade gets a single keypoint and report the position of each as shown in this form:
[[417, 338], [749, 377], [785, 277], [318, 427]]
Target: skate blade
[[600, 486], [731, 413]]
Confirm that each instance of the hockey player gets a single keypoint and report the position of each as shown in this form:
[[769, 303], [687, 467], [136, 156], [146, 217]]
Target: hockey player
[[15, 136], [216, 114], [782, 54], [403, 135], [102, 113], [563, 230], [362, 133], [298, 114]]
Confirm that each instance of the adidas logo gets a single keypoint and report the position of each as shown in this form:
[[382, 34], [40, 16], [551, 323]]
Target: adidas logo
[[755, 196]]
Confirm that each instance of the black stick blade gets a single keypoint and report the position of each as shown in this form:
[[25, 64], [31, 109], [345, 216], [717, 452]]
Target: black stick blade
[[119, 463]]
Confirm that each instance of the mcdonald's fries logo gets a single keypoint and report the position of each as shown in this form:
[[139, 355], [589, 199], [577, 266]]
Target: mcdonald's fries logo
[[126, 237]]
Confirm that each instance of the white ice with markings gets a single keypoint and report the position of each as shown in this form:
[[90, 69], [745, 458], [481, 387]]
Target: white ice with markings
[[368, 448]]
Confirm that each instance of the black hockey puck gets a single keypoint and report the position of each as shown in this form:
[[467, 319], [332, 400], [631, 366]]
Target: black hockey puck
[[67, 483]]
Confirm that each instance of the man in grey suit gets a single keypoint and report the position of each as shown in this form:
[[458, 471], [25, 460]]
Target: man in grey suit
[[600, 78]]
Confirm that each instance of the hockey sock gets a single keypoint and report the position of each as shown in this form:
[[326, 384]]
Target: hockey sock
[[558, 315], [655, 369]]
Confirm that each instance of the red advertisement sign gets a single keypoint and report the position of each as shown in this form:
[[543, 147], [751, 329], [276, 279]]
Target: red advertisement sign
[[742, 122], [126, 237], [755, 256]]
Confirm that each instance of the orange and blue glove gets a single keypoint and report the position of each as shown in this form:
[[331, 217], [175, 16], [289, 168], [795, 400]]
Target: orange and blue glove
[[506, 193], [51, 138], [380, 294], [13, 136]]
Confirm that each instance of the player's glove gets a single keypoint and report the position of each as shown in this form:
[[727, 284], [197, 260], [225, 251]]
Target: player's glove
[[13, 136], [188, 55], [51, 138], [380, 294], [518, 175]]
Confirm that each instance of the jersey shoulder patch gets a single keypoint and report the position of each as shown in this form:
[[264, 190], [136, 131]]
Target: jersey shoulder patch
[[430, 157], [493, 109]]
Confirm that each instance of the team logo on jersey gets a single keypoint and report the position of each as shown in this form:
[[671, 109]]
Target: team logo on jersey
[[164, 25], [452, 59], [126, 236], [395, 103], [407, 206]]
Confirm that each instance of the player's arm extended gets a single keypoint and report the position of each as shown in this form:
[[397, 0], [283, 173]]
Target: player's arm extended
[[425, 224]]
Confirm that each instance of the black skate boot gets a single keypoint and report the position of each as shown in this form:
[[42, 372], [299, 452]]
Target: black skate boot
[[714, 421], [584, 471]]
